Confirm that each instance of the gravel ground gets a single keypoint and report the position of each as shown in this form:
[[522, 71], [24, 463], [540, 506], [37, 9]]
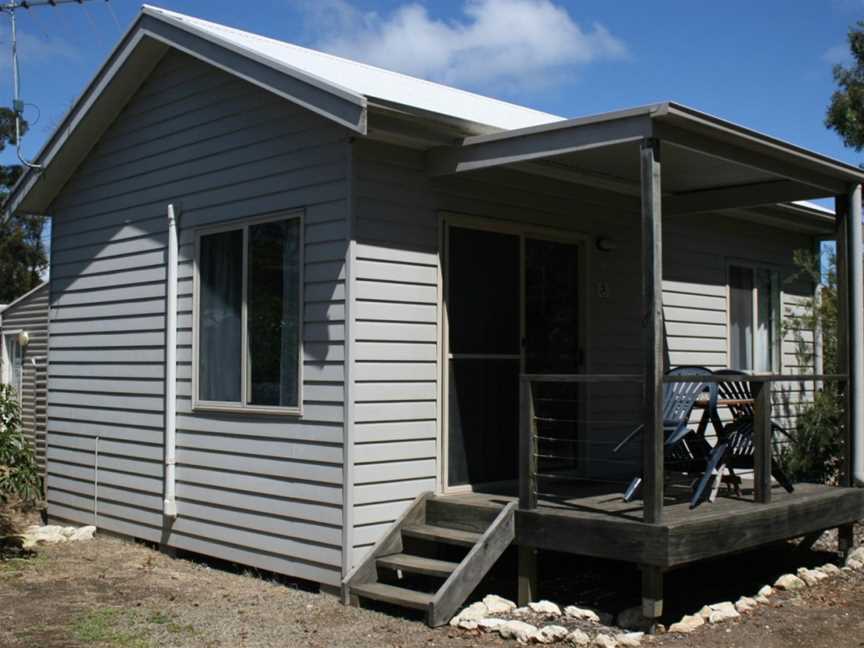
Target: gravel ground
[[110, 592]]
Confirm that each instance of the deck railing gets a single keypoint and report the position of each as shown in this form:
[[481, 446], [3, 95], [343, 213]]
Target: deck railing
[[761, 386]]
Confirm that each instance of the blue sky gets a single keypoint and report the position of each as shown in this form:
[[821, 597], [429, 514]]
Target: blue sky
[[763, 63]]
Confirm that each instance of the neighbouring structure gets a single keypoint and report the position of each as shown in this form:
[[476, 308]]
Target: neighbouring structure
[[24, 360], [294, 297]]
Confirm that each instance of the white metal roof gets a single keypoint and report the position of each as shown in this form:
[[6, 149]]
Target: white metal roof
[[367, 80]]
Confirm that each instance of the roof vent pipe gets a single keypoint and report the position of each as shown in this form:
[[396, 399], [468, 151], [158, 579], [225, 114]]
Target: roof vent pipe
[[169, 506]]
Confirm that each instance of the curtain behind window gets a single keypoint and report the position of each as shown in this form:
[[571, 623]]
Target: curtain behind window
[[741, 318], [221, 297], [274, 313]]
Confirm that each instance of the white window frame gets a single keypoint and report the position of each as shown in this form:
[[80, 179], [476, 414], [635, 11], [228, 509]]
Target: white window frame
[[776, 306], [6, 362], [245, 406]]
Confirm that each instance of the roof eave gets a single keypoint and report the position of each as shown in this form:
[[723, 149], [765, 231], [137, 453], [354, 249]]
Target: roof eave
[[125, 70]]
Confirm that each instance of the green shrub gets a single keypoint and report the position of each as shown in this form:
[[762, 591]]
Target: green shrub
[[19, 472], [814, 450]]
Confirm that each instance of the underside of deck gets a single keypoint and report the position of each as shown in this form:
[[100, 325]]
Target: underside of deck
[[593, 520]]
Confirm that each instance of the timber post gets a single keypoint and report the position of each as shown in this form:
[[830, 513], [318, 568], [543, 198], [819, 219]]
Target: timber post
[[652, 304]]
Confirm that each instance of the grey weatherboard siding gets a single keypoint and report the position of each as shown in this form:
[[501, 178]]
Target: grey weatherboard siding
[[259, 490], [396, 370], [31, 314], [268, 491]]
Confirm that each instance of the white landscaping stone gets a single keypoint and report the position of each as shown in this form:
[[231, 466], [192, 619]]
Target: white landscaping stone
[[762, 600], [53, 534], [766, 591], [829, 568], [521, 611], [721, 612], [473, 612], [84, 533], [467, 624], [581, 613], [550, 634], [810, 576], [745, 604], [604, 641], [498, 605], [490, 625], [629, 639], [856, 554], [789, 582], [855, 565], [519, 630], [578, 638], [687, 624], [545, 607]]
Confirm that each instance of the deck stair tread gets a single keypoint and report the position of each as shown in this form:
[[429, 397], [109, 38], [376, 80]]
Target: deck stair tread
[[442, 534], [418, 564], [395, 595], [485, 542]]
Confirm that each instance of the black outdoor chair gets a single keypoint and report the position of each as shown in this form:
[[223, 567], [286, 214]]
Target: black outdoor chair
[[686, 450], [734, 449]]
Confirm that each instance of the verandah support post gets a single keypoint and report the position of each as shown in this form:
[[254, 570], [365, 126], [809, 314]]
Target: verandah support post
[[652, 592], [652, 303], [762, 442], [855, 336], [527, 585], [845, 533]]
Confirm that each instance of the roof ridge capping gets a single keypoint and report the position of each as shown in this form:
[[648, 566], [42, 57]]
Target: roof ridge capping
[[403, 88]]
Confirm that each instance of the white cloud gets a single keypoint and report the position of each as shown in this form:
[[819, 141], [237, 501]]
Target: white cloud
[[507, 45]]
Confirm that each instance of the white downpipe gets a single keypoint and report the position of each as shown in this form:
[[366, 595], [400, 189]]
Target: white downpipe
[[169, 507], [856, 333]]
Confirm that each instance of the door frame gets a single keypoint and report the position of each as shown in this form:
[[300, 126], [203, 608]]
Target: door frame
[[523, 231]]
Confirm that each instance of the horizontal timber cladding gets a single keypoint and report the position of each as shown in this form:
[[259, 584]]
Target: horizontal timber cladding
[[30, 314], [261, 490], [396, 368]]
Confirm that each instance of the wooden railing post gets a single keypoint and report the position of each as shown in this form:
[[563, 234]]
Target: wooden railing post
[[841, 211], [762, 441], [527, 446], [653, 438]]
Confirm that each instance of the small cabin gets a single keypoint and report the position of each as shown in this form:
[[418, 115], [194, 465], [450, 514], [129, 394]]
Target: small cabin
[[24, 361], [345, 325]]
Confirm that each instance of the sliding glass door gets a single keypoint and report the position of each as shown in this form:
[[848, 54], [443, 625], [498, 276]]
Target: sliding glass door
[[512, 305]]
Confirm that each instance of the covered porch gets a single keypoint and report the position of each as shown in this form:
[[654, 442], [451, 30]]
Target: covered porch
[[669, 160]]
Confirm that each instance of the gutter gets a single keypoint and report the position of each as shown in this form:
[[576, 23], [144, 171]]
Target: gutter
[[169, 506]]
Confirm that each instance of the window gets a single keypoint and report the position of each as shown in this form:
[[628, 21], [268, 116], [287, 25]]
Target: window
[[248, 317], [754, 318]]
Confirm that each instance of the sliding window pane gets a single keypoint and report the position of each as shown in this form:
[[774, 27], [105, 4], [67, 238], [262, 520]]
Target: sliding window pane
[[741, 318], [764, 346], [220, 268], [274, 313]]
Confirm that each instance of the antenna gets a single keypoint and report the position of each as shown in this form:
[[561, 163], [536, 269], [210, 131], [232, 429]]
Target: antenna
[[10, 8]]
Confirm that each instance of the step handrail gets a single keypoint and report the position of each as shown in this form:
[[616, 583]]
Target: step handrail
[[474, 566]]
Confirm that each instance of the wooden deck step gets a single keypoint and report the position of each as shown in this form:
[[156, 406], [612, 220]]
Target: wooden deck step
[[418, 565], [394, 595], [441, 534]]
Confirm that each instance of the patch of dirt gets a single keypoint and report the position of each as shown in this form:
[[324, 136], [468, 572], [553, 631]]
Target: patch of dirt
[[110, 592]]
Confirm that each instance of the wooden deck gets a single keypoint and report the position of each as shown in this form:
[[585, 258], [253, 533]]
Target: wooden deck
[[593, 520]]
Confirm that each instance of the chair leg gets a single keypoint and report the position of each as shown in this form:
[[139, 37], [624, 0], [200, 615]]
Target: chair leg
[[782, 479], [717, 481], [634, 485], [717, 455]]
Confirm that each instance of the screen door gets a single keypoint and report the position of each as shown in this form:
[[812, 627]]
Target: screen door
[[512, 306]]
